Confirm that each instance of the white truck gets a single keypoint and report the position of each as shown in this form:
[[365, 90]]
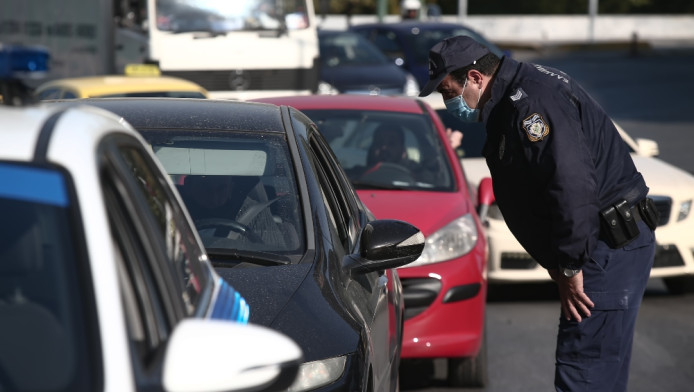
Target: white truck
[[239, 49]]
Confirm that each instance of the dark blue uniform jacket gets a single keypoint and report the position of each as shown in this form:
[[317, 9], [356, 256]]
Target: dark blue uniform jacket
[[556, 160]]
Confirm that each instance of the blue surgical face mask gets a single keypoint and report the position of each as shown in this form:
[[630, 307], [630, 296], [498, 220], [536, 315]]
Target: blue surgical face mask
[[459, 108]]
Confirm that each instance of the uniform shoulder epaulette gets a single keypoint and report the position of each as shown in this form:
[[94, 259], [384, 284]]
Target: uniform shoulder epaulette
[[518, 94]]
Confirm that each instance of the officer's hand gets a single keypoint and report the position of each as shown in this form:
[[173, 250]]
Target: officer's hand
[[574, 302], [455, 137]]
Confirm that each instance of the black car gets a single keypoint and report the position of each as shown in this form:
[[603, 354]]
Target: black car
[[350, 64], [408, 42], [282, 224]]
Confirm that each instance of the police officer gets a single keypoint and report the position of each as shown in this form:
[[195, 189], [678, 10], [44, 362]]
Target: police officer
[[569, 192]]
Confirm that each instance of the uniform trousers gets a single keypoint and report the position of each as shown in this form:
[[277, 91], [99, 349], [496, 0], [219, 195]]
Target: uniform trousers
[[594, 355]]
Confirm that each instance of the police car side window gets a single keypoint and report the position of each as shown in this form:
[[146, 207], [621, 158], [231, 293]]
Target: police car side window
[[180, 251], [147, 323]]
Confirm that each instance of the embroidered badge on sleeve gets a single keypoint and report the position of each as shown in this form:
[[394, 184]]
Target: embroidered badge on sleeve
[[536, 127]]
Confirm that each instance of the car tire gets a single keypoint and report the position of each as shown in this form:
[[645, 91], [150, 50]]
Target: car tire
[[679, 285], [469, 372]]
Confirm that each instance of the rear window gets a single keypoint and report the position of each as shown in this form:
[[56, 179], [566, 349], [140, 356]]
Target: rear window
[[164, 94]]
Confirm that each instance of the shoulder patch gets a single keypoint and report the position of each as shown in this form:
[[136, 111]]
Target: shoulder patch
[[518, 95], [535, 127]]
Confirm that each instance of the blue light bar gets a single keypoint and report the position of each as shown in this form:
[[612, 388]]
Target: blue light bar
[[22, 61]]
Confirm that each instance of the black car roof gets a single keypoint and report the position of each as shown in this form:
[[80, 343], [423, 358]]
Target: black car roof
[[185, 113]]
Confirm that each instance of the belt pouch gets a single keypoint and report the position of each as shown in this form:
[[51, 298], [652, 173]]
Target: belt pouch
[[618, 225], [649, 212]]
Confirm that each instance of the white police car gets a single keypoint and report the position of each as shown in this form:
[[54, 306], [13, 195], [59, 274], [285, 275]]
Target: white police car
[[104, 283]]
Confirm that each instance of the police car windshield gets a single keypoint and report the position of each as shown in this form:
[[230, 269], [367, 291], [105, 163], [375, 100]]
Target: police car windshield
[[42, 299]]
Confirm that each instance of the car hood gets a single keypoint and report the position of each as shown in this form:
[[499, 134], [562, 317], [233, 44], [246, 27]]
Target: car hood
[[350, 77], [663, 178], [416, 207], [291, 300]]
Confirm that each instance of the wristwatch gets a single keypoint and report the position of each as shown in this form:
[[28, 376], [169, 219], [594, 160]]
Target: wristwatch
[[570, 273]]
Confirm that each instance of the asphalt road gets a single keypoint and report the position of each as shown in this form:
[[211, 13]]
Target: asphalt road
[[651, 94]]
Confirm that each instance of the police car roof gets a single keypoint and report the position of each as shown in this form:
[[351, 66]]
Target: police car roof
[[25, 131]]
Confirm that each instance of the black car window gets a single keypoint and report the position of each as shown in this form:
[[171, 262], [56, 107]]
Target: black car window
[[388, 42], [340, 219], [425, 39], [346, 48], [343, 191], [47, 313]]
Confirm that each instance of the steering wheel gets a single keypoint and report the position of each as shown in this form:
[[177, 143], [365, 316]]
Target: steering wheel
[[387, 173], [223, 227]]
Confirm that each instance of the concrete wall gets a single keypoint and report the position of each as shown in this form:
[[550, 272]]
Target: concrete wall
[[542, 29]]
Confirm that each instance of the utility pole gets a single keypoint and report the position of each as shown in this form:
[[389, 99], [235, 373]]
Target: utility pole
[[382, 8], [592, 13], [462, 10]]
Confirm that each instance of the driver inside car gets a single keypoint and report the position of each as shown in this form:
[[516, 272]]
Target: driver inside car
[[387, 159], [223, 211]]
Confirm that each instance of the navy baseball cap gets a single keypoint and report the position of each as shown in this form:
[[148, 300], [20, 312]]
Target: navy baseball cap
[[448, 55]]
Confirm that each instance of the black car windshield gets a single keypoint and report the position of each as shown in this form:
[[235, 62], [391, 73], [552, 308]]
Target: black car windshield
[[386, 150], [346, 48], [239, 188], [425, 39], [42, 299]]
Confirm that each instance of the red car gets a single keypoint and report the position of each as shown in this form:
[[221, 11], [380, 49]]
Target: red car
[[396, 153]]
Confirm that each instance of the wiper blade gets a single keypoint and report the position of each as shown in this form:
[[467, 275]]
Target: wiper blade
[[222, 257], [371, 185]]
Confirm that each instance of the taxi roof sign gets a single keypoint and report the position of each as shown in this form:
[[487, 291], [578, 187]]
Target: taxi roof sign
[[142, 70]]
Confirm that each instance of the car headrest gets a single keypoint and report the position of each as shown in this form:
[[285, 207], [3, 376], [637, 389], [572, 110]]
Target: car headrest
[[20, 238]]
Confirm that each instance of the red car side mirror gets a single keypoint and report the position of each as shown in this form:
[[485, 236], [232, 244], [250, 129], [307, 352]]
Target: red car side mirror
[[485, 198]]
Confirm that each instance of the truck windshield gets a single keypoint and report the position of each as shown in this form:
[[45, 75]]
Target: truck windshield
[[222, 16]]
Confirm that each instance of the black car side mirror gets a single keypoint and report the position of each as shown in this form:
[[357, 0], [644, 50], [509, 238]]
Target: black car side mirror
[[385, 244]]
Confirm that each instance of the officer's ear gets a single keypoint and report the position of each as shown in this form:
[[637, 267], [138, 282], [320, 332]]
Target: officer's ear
[[475, 77]]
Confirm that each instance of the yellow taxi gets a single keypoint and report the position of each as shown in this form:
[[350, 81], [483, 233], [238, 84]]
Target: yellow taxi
[[139, 80]]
